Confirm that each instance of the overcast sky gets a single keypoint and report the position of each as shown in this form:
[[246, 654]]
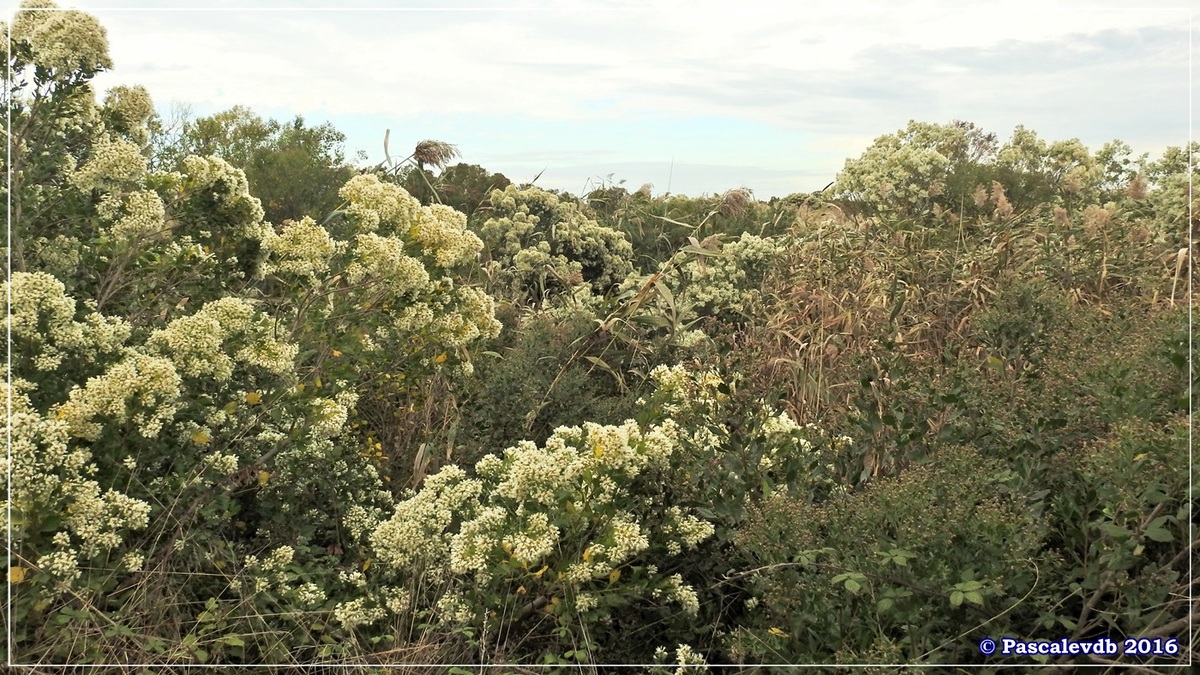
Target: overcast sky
[[693, 100]]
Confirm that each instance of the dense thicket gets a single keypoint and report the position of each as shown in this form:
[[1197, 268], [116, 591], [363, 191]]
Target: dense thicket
[[266, 408]]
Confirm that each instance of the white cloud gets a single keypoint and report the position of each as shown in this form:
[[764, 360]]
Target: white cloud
[[818, 72]]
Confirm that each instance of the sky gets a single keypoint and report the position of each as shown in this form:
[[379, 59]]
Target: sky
[[693, 98]]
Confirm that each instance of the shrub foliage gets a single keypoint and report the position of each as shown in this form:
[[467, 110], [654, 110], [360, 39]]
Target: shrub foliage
[[948, 400]]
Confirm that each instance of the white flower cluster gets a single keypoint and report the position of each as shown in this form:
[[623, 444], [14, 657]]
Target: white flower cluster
[[132, 561], [131, 108], [538, 241], [62, 41], [898, 172], [196, 344], [357, 612], [536, 540], [474, 316], [628, 539], [397, 600], [241, 212], [684, 530], [97, 520], [383, 259], [328, 418], [733, 279], [682, 593], [416, 531], [63, 565], [60, 256], [359, 521], [691, 338], [505, 236], [222, 463], [42, 457], [585, 601], [471, 547], [374, 203], [538, 475], [50, 476], [454, 609], [279, 559], [41, 322], [515, 508], [301, 248], [142, 389], [140, 214], [310, 595], [115, 164], [779, 425], [680, 391], [689, 660], [442, 231]]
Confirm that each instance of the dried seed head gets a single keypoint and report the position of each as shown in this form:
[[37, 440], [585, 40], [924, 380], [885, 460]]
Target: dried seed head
[[980, 196], [1003, 208], [735, 202], [434, 153], [1095, 217], [1137, 188]]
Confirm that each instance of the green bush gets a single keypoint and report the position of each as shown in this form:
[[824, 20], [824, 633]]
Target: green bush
[[538, 244], [919, 562]]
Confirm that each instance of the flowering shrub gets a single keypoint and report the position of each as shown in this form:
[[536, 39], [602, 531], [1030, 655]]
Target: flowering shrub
[[567, 533], [212, 416], [734, 454], [181, 382], [718, 285], [539, 243]]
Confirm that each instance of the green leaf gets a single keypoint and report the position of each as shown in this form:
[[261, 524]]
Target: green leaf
[[975, 597], [956, 598], [886, 604], [853, 586], [234, 641], [1114, 530], [599, 362], [201, 655], [1159, 534]]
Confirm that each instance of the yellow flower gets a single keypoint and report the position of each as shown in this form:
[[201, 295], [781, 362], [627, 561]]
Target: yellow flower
[[263, 477], [254, 398], [16, 575]]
